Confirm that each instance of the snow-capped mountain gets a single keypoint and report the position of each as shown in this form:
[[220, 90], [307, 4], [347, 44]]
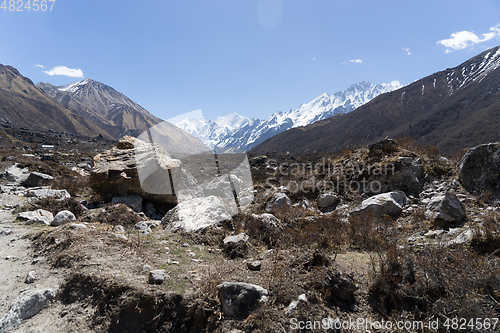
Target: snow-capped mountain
[[111, 110], [451, 109], [234, 132]]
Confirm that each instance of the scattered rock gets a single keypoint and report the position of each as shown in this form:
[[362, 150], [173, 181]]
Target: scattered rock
[[25, 306], [5, 232], [197, 214], [327, 200], [302, 299], [48, 193], [157, 276], [277, 201], [269, 221], [239, 299], [479, 170], [77, 226], [445, 208], [254, 265], [63, 217], [37, 179], [15, 174], [37, 216], [390, 203], [143, 227], [384, 146], [236, 246], [30, 278], [133, 201]]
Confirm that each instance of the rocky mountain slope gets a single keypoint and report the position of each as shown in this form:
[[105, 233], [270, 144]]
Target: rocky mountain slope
[[23, 105], [112, 111], [451, 109], [234, 131]]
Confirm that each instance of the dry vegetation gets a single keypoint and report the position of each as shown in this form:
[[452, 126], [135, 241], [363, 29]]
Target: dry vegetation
[[348, 268]]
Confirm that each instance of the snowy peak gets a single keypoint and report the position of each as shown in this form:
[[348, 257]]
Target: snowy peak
[[103, 105], [473, 70], [232, 121], [235, 131]]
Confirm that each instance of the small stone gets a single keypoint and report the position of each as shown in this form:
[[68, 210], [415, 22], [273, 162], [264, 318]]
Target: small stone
[[254, 265], [5, 232], [77, 226], [157, 276], [30, 278]]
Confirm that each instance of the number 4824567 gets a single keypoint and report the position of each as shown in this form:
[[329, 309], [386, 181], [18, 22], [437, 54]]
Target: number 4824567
[[27, 5]]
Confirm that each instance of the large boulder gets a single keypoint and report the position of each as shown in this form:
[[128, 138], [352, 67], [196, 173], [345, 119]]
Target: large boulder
[[238, 299], [25, 306], [390, 203], [327, 200], [445, 208], [479, 170], [15, 174], [44, 193], [197, 214], [236, 246], [63, 217], [277, 201], [37, 179], [115, 172], [39, 216]]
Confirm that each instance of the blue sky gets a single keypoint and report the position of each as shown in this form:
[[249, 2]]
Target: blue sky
[[253, 57]]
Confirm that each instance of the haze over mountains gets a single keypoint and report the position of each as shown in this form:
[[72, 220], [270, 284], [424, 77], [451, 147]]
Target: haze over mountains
[[234, 132], [452, 109]]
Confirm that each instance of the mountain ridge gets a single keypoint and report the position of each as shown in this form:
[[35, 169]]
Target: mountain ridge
[[24, 105], [251, 132], [451, 109], [111, 110]]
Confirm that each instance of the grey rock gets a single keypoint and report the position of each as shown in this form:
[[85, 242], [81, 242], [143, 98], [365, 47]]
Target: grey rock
[[157, 276], [37, 179], [25, 306], [63, 217], [197, 214], [327, 200], [479, 170], [269, 221], [15, 174], [149, 209], [76, 226], [48, 193], [143, 227], [236, 246], [445, 207], [37, 216], [254, 265], [277, 201], [239, 299], [390, 203], [133, 201], [30, 277], [5, 232]]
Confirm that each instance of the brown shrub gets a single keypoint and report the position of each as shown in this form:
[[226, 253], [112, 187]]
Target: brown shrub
[[55, 206], [118, 214]]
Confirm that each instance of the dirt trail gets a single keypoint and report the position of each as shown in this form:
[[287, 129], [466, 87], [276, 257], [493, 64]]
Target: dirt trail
[[16, 260]]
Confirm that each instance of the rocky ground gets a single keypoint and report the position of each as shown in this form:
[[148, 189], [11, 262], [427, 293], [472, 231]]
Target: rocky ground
[[83, 248]]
